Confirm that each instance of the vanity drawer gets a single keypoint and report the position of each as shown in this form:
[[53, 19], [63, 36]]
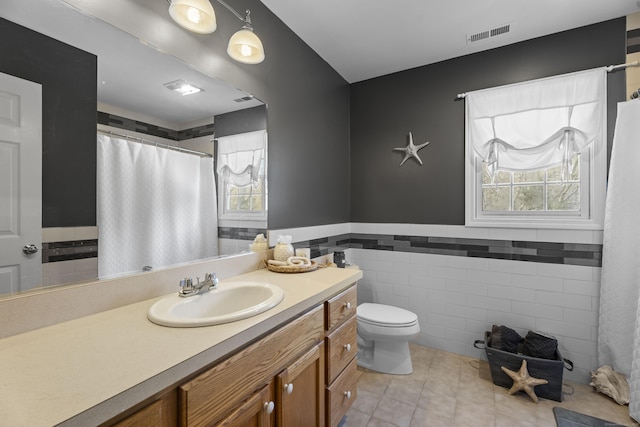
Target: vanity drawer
[[342, 346], [339, 308], [342, 393]]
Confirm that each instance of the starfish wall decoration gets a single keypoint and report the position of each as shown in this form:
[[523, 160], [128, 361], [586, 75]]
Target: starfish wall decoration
[[523, 381], [411, 150]]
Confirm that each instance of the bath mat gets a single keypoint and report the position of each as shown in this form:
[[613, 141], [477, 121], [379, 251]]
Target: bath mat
[[567, 418]]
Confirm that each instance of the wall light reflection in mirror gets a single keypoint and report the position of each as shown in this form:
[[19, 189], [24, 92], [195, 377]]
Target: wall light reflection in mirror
[[198, 16]]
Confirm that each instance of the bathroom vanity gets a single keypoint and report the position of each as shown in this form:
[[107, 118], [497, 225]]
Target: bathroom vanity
[[291, 365]]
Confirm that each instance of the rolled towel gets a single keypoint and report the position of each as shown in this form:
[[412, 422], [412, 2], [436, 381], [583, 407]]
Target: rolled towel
[[298, 261], [278, 263]]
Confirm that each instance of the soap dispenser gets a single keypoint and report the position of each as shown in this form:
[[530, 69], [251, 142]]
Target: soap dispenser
[[283, 249]]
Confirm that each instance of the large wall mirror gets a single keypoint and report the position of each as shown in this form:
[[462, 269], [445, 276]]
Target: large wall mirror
[[132, 103]]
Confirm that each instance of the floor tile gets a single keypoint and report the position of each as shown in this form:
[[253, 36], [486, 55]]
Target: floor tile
[[448, 390]]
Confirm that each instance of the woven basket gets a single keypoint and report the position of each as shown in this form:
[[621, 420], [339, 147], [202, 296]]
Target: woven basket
[[292, 268]]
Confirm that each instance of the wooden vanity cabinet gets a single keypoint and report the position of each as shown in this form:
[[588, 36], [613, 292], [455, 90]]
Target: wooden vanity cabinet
[[341, 351], [291, 354]]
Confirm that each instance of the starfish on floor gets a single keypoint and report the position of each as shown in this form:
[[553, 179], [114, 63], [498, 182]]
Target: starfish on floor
[[411, 150], [523, 381]]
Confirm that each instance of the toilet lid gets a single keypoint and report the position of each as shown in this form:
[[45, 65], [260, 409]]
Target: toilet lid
[[380, 314]]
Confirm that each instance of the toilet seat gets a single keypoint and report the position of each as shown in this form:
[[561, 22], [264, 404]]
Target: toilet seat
[[385, 316]]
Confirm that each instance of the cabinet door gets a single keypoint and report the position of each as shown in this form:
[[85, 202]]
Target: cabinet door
[[256, 411], [300, 391]]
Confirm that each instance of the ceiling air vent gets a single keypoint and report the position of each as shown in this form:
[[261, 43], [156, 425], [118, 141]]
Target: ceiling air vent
[[486, 34], [244, 99]]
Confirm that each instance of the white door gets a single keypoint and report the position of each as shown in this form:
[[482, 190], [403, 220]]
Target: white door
[[20, 184]]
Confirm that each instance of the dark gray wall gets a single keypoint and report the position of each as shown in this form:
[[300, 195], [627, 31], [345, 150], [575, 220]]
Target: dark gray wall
[[308, 110], [308, 116], [68, 78], [241, 121], [423, 101]]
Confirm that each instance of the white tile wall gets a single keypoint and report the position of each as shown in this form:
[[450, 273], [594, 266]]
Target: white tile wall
[[457, 299]]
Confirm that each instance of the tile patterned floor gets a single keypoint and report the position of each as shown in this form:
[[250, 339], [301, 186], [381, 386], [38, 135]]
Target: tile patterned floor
[[447, 389]]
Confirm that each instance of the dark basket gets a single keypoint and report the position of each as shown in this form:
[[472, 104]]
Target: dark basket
[[547, 369]]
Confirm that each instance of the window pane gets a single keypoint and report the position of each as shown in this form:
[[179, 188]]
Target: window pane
[[563, 197], [257, 203], [233, 203], [554, 173], [243, 203], [529, 176], [496, 198], [575, 174], [528, 198], [244, 190], [502, 177]]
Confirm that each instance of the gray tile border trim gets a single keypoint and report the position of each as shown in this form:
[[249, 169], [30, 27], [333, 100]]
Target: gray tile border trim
[[516, 250]]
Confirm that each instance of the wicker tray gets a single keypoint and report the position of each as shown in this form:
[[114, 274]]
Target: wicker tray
[[292, 268]]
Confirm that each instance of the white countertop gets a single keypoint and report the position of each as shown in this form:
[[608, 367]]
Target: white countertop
[[85, 371]]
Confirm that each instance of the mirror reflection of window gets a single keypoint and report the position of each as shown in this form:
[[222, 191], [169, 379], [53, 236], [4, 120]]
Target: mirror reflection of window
[[241, 173]]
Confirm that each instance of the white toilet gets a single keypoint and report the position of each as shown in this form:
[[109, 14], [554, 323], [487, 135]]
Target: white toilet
[[384, 332]]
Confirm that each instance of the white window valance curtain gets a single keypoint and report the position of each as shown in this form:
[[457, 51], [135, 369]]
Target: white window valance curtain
[[241, 157], [539, 123]]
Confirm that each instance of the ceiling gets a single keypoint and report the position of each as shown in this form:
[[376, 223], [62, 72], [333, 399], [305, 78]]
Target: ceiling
[[360, 39], [363, 39]]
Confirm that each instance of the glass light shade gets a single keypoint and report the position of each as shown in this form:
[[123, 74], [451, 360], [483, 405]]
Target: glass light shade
[[245, 46], [194, 15]]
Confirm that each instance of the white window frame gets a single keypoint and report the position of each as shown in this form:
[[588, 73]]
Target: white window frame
[[230, 218], [225, 214], [593, 192]]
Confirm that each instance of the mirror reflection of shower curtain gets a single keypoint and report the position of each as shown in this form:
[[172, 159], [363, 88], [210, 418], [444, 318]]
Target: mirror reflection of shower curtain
[[156, 207], [619, 323]]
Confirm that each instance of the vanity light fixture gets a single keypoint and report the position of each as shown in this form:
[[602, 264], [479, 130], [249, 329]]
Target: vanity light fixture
[[194, 15], [244, 45], [198, 16], [182, 87]]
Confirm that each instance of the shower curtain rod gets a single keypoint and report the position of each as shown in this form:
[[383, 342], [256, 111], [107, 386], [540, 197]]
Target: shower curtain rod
[[609, 69], [157, 144]]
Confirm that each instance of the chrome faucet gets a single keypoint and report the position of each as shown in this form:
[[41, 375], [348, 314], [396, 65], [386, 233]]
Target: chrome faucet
[[187, 288]]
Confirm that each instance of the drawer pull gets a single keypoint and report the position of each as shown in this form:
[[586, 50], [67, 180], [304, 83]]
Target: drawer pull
[[269, 407], [347, 347], [347, 305], [347, 394], [288, 388]]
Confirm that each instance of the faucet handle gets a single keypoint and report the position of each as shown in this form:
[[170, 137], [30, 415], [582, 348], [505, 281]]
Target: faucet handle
[[213, 278], [186, 283]]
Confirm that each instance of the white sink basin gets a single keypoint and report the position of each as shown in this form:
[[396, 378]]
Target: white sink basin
[[228, 303]]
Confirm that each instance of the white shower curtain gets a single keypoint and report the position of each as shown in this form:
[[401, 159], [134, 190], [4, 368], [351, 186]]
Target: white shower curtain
[[156, 207], [619, 326]]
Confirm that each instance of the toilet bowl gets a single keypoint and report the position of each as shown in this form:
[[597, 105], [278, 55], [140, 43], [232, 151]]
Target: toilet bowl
[[384, 333]]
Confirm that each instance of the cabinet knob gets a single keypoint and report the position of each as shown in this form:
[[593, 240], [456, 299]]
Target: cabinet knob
[[288, 388], [269, 407], [347, 394], [347, 305], [347, 347]]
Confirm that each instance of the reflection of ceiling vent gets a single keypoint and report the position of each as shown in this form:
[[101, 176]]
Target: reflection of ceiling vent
[[498, 31], [244, 99]]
